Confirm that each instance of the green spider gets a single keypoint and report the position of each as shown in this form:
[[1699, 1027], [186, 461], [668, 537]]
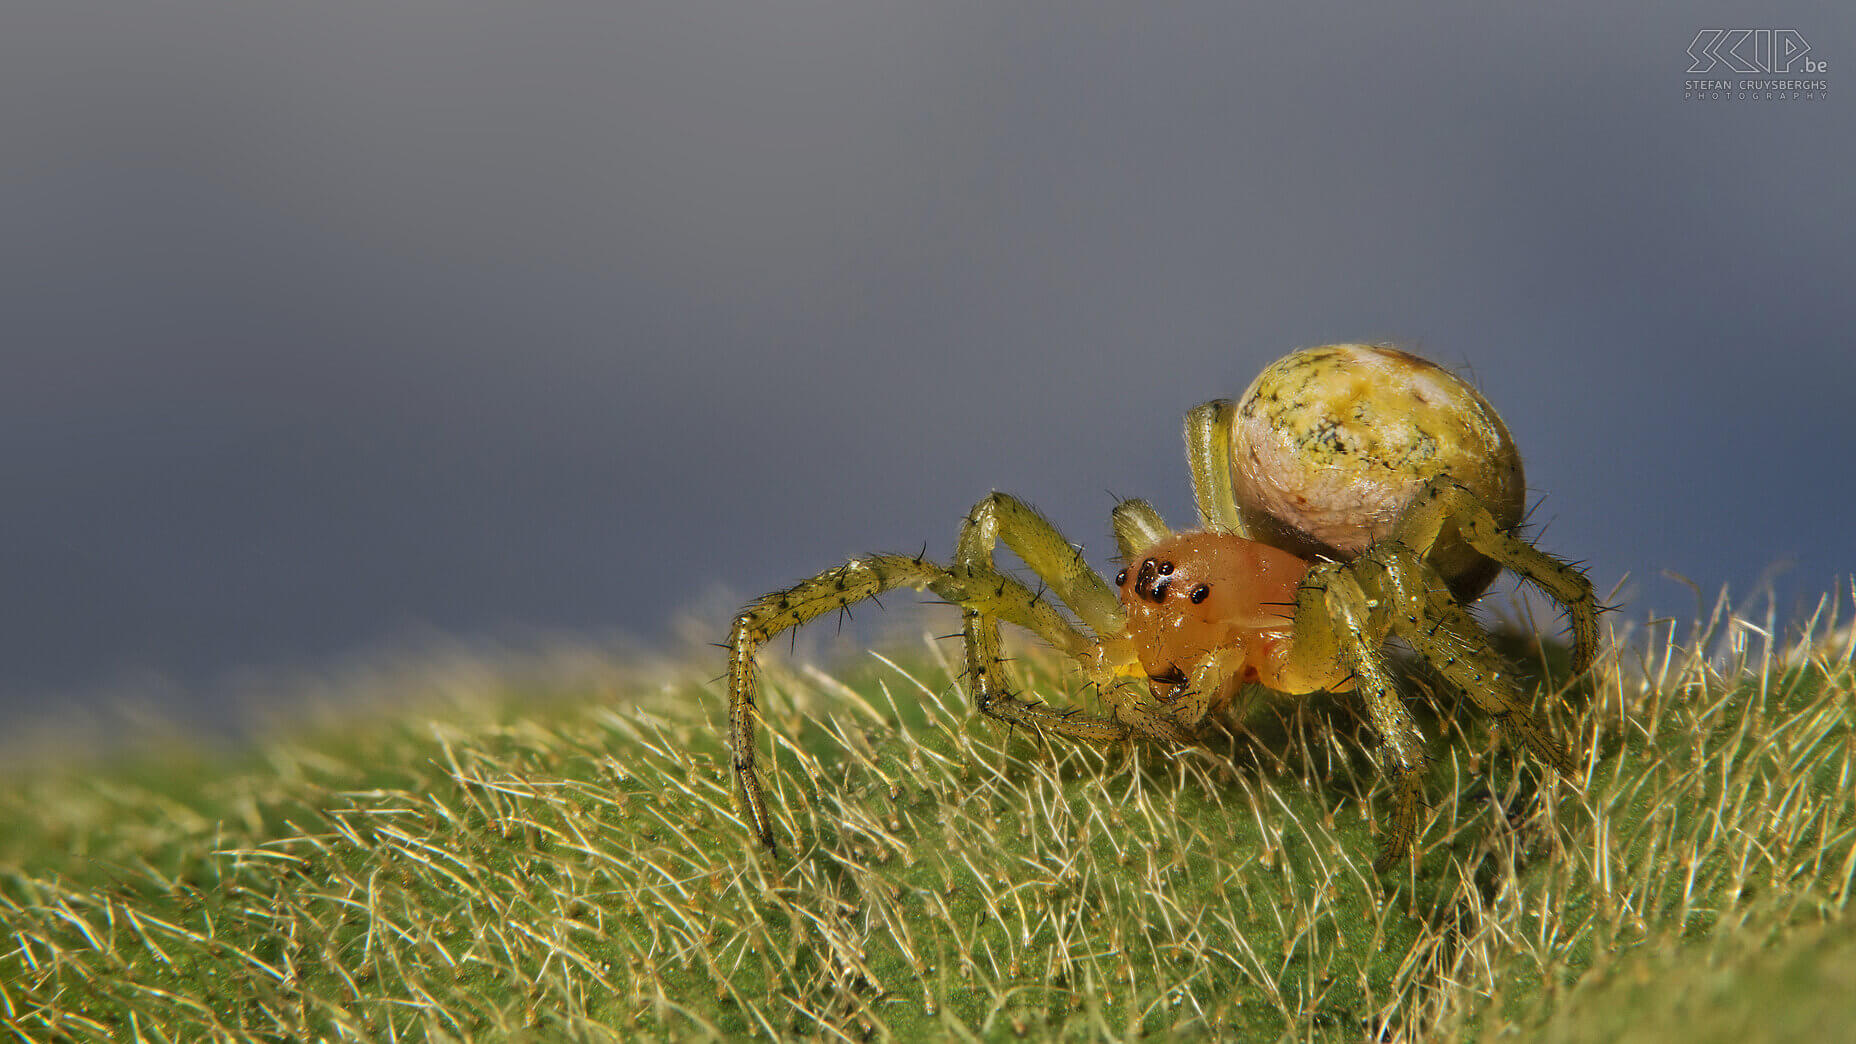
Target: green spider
[[1354, 493]]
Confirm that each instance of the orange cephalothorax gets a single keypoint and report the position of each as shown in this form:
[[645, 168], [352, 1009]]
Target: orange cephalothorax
[[1193, 595]]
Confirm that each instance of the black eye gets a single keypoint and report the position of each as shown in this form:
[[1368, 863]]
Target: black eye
[[1166, 569], [1121, 578], [1199, 593], [1160, 590]]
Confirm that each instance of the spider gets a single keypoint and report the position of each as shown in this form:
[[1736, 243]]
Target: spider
[[1353, 494]]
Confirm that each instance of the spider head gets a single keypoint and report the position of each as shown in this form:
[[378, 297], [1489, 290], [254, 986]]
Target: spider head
[[1193, 593]]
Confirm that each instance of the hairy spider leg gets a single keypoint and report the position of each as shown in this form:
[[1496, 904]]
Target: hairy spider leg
[[1060, 565], [1428, 617], [1137, 527], [1208, 455], [1445, 500], [1032, 537], [984, 591], [1347, 610], [1335, 620]]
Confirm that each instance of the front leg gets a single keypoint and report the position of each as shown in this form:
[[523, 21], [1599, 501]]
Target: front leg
[[1055, 561], [1137, 527], [1060, 565], [983, 594], [778, 611]]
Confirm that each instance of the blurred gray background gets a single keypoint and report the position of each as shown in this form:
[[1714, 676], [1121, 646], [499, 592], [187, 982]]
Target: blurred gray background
[[333, 327]]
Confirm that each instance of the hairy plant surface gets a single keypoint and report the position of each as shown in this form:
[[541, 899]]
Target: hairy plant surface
[[568, 866]]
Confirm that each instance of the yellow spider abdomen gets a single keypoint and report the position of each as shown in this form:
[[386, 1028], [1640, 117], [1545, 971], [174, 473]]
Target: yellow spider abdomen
[[1330, 445]]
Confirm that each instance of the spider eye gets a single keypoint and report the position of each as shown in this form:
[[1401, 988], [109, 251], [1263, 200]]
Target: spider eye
[[1160, 590], [1121, 578], [1199, 593], [1166, 569], [1146, 575]]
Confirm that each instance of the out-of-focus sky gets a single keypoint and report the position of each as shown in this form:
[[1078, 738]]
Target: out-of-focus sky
[[327, 324]]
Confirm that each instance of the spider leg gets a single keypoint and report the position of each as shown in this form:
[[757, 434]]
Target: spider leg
[[777, 611], [1336, 621], [1445, 500], [983, 592], [1137, 527], [1208, 455], [1033, 539], [1055, 560], [1428, 617]]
